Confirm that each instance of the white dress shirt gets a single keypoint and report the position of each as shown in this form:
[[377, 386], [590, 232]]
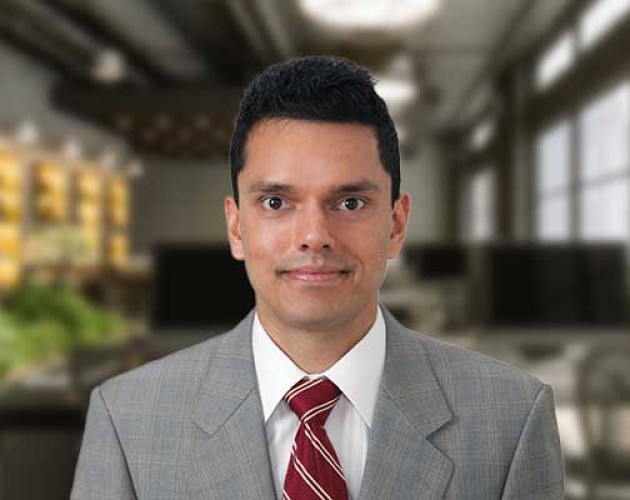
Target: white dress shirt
[[358, 375]]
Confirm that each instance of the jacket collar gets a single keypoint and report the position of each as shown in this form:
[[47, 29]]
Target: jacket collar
[[229, 441], [228, 456], [402, 462]]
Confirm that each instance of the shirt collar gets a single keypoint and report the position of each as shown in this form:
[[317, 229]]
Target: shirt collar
[[358, 373]]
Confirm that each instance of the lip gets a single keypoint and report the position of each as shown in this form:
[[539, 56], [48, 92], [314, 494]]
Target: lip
[[316, 274], [315, 270]]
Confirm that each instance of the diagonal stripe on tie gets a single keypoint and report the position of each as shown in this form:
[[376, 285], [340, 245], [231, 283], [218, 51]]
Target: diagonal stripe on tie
[[314, 471], [313, 412], [325, 453], [311, 482], [301, 387]]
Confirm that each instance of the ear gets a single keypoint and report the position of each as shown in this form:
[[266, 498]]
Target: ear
[[400, 216], [233, 224]]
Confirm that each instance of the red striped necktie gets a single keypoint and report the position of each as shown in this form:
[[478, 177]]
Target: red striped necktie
[[314, 471]]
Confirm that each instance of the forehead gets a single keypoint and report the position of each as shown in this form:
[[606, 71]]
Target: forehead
[[311, 152]]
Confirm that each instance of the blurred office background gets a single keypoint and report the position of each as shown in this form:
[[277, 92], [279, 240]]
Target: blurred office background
[[115, 121]]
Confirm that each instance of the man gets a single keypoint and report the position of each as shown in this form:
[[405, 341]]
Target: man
[[319, 392]]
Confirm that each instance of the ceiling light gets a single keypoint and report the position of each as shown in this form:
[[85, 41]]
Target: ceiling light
[[370, 14], [482, 134], [109, 66], [397, 93], [27, 133], [136, 169], [599, 18], [109, 159], [395, 90], [556, 60], [72, 149]]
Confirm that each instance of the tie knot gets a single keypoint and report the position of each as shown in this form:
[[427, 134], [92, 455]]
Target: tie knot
[[313, 400]]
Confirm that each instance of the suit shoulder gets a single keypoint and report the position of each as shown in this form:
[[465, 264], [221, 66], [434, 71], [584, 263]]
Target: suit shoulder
[[465, 372], [178, 373]]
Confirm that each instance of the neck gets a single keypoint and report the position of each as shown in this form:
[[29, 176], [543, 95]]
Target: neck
[[314, 349]]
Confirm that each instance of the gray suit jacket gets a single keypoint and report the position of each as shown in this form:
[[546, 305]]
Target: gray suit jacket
[[449, 423]]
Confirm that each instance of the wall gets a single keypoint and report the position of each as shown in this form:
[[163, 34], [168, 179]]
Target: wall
[[179, 201], [425, 179], [24, 95]]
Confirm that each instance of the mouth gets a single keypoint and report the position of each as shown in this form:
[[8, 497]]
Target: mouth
[[315, 277]]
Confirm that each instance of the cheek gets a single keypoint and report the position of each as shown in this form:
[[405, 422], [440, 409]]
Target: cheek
[[370, 245], [372, 236], [262, 242], [380, 247]]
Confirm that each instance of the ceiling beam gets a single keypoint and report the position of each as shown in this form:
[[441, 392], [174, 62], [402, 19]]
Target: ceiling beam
[[275, 26], [262, 24], [493, 60], [107, 104], [36, 52], [41, 34], [193, 121], [78, 14], [249, 25]]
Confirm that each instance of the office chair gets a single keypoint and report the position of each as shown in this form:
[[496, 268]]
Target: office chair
[[603, 389]]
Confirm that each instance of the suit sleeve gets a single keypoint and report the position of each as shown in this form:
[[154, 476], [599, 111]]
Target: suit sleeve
[[102, 471], [537, 469]]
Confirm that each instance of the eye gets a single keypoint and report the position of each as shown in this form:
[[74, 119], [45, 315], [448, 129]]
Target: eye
[[272, 203], [352, 204]]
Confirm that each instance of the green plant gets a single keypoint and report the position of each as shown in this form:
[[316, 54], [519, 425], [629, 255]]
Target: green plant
[[39, 321], [8, 342], [25, 343]]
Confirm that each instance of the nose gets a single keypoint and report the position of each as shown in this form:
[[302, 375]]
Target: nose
[[312, 229]]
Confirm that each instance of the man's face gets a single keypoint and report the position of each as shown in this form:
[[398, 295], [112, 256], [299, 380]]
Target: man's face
[[315, 225]]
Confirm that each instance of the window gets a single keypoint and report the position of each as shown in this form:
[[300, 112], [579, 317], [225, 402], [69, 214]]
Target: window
[[555, 61], [604, 173], [482, 205], [604, 211], [599, 19], [582, 164], [553, 219], [602, 185], [604, 129], [553, 179]]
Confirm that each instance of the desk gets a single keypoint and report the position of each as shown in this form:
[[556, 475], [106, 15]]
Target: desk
[[40, 438], [552, 355], [42, 417], [556, 356]]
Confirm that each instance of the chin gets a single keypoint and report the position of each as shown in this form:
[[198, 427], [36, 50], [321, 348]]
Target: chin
[[309, 315], [313, 315], [308, 319]]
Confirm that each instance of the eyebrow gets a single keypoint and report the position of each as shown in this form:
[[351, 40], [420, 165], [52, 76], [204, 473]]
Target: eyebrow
[[267, 187]]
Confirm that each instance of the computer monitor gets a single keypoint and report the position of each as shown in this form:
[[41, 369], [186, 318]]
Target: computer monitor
[[546, 285], [199, 286], [436, 261]]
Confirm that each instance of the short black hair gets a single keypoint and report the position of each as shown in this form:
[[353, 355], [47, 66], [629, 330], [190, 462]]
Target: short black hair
[[316, 88]]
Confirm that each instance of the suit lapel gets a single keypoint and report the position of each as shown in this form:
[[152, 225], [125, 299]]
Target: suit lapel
[[402, 462], [229, 456]]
